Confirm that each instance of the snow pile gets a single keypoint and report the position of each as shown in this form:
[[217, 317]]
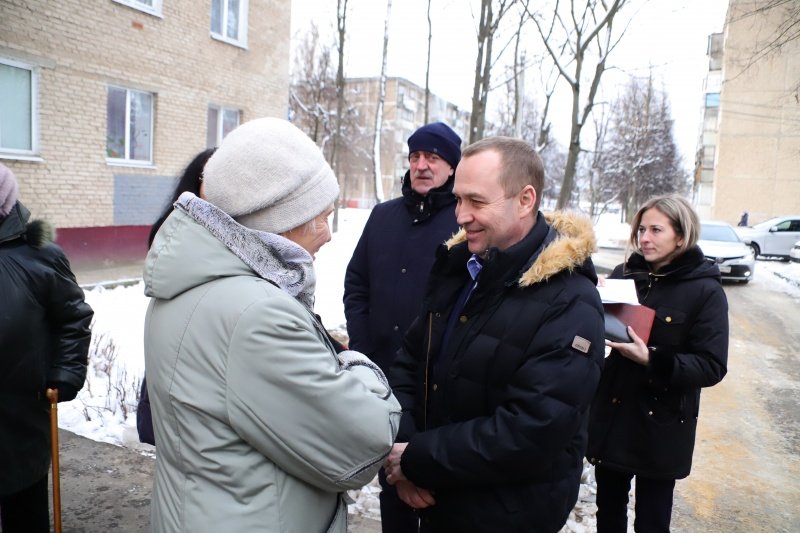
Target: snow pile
[[610, 232]]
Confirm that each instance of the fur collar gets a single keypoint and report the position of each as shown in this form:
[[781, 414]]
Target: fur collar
[[574, 244], [272, 257], [37, 233]]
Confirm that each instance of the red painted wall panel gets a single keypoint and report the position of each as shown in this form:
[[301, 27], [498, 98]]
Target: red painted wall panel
[[104, 245]]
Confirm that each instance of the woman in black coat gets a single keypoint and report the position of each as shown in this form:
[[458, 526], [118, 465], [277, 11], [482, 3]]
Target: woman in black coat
[[644, 416], [44, 341]]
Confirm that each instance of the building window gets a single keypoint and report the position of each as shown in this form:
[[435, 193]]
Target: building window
[[229, 21], [709, 151], [152, 7], [712, 99], [129, 129], [221, 121], [18, 108]]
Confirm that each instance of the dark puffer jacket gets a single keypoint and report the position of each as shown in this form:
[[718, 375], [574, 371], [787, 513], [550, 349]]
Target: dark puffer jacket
[[496, 420], [644, 418], [385, 279], [44, 341]]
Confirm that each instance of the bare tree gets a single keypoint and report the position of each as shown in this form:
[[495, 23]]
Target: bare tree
[[376, 139], [492, 12], [601, 195], [428, 66], [639, 157], [574, 33], [314, 106], [312, 93], [341, 26], [519, 75], [787, 30]]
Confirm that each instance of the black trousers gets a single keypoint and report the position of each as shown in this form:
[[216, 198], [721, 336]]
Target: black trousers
[[653, 502], [396, 516], [26, 511]]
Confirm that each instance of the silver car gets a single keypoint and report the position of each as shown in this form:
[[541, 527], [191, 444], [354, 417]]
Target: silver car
[[774, 237], [721, 245]]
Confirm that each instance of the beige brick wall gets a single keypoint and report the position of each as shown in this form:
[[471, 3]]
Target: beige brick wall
[[758, 164], [83, 47]]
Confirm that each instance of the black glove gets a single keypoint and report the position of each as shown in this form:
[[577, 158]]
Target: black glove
[[66, 391]]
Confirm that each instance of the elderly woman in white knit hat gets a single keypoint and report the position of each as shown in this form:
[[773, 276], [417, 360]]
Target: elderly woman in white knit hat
[[261, 426]]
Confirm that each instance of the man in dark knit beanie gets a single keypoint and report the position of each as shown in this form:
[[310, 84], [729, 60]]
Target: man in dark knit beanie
[[386, 277]]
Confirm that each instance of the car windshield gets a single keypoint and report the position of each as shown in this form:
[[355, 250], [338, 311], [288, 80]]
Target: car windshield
[[714, 232]]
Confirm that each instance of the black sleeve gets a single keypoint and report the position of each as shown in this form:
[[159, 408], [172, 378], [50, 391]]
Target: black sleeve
[[356, 295], [144, 417], [70, 319]]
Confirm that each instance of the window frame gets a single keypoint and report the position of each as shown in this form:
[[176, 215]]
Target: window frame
[[218, 134], [33, 153], [138, 5], [126, 161], [712, 100], [241, 41]]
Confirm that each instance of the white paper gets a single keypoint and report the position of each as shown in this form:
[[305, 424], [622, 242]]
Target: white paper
[[618, 291]]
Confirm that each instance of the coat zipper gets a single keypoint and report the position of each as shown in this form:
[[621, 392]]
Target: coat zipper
[[427, 367]]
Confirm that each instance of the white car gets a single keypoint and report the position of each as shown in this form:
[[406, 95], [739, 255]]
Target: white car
[[775, 236], [720, 244], [794, 253]]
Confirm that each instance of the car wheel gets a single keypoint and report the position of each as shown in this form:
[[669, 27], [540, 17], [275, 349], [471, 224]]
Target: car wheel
[[753, 246]]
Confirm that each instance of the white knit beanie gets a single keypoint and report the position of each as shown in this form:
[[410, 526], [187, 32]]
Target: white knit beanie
[[269, 176], [8, 190]]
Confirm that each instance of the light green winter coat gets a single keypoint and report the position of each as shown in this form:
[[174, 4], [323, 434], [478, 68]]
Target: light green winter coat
[[259, 426]]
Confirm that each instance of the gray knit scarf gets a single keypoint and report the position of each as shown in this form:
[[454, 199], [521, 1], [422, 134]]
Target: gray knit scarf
[[272, 257]]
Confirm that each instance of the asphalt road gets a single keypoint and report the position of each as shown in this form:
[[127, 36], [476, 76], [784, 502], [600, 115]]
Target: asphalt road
[[746, 472]]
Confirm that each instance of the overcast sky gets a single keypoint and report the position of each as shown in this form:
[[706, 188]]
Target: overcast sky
[[668, 35]]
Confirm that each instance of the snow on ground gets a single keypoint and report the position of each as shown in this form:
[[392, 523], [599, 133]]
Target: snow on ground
[[105, 410]]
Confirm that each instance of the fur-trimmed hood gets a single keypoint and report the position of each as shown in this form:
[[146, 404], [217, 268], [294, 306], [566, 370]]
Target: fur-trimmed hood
[[573, 245], [37, 233]]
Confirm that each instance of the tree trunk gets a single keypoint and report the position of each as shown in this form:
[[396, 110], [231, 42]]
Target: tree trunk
[[428, 67], [476, 117], [341, 23], [376, 140]]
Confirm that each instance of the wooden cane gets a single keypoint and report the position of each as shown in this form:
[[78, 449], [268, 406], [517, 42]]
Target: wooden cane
[[52, 395]]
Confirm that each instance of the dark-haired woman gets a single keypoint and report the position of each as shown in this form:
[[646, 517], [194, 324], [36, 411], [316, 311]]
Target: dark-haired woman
[[644, 416], [192, 181]]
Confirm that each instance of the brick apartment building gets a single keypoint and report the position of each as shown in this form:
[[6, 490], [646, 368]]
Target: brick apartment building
[[403, 112], [103, 103]]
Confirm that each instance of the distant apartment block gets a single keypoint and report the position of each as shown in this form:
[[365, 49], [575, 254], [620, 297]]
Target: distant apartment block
[[749, 147], [707, 149], [403, 112], [103, 103]]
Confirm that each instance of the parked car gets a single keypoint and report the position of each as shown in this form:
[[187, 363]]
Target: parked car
[[794, 253], [720, 244], [774, 237]]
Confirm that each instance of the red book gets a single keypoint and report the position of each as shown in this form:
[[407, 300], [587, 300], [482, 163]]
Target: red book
[[639, 317]]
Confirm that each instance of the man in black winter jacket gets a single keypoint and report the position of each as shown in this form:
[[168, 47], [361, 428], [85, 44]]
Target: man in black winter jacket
[[497, 374], [386, 277], [44, 342]]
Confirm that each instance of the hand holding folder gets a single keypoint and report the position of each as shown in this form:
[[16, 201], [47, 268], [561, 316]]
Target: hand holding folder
[[618, 316], [622, 309]]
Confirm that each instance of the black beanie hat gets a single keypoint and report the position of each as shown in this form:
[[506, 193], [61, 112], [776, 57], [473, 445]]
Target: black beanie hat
[[438, 139]]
